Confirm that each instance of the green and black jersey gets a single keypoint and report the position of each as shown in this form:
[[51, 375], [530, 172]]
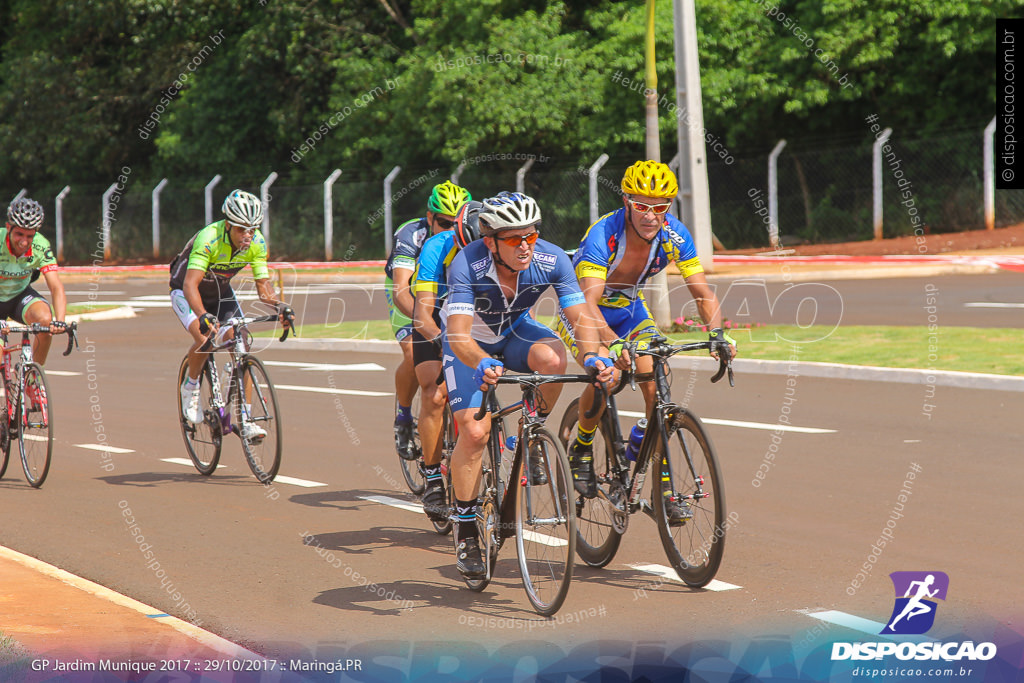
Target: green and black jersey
[[210, 251]]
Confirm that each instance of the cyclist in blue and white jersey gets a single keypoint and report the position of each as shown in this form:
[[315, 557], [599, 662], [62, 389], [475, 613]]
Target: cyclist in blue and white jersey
[[617, 255], [492, 285], [445, 201], [430, 287]]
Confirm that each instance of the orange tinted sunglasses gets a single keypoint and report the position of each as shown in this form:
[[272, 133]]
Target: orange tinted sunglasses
[[644, 208], [514, 242]]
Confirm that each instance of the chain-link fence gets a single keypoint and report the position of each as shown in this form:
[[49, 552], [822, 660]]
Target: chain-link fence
[[824, 195]]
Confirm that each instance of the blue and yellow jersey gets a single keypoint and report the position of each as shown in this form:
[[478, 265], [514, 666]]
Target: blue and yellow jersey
[[603, 247], [431, 274]]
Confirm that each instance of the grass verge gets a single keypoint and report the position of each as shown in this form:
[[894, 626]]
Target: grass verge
[[965, 349]]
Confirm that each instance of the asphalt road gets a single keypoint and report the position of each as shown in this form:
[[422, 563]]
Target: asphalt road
[[991, 300], [280, 569]]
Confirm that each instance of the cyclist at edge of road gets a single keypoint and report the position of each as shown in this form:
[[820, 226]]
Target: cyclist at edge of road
[[444, 203], [201, 293], [617, 255], [430, 287], [25, 255], [492, 285]]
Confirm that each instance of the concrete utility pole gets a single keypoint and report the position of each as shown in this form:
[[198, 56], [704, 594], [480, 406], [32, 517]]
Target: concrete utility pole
[[657, 286]]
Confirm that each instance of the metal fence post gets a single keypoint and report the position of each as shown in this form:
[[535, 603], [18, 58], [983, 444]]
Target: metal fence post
[[876, 161], [458, 172], [387, 206], [521, 175], [58, 220], [592, 175], [209, 198], [329, 213], [265, 198], [990, 183], [156, 216], [773, 193], [108, 214]]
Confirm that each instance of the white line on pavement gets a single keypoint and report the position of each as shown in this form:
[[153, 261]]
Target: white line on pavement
[[305, 483], [670, 574], [857, 623], [326, 390], [991, 304], [182, 461], [105, 449], [395, 503], [62, 373], [747, 425], [352, 367]]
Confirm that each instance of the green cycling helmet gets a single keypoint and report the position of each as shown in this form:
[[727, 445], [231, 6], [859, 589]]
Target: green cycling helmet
[[447, 198]]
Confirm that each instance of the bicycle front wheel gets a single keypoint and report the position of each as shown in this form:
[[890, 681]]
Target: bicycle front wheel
[[203, 440], [35, 433], [691, 474], [545, 523], [258, 417], [597, 541], [5, 440]]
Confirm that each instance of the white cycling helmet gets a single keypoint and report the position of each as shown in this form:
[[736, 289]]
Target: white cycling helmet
[[242, 208], [25, 213], [508, 211]]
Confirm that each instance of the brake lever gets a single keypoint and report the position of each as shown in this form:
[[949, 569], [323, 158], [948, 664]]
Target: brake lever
[[483, 403]]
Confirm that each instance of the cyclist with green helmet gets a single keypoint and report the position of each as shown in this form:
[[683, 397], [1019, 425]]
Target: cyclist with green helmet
[[445, 201]]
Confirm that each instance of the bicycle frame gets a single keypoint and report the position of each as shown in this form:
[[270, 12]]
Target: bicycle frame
[[238, 346]]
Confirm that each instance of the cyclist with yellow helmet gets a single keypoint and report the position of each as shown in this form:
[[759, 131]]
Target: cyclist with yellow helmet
[[444, 203], [617, 255]]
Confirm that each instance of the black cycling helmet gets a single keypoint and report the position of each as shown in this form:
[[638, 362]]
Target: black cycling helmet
[[467, 223], [25, 213]]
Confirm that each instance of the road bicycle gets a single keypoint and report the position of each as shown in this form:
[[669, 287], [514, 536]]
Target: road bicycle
[[540, 515], [679, 451], [410, 459], [29, 418], [250, 398]]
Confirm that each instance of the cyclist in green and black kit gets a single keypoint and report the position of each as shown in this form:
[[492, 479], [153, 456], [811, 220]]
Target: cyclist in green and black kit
[[201, 293], [445, 201]]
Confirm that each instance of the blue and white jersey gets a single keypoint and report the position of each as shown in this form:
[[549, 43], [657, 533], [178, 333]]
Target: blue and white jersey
[[409, 239], [473, 288]]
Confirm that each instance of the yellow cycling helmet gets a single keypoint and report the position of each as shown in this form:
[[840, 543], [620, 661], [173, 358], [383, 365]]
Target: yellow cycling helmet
[[650, 179]]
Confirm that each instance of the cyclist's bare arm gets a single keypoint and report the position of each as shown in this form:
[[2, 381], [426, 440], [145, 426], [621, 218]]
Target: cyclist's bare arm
[[402, 279], [593, 288], [265, 290], [60, 299], [707, 303], [190, 288], [423, 315], [586, 321], [465, 348]]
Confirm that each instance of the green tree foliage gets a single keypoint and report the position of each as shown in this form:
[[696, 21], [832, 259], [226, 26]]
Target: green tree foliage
[[372, 83]]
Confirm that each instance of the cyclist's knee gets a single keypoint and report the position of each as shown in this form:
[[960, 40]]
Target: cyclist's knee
[[546, 359]]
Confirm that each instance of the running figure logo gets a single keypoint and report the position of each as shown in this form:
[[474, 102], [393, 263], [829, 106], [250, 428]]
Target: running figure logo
[[914, 612]]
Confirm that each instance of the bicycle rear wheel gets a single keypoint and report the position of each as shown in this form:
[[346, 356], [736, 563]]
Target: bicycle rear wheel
[[202, 441], [5, 439], [545, 524], [35, 433], [695, 546], [256, 397], [411, 463], [597, 541]]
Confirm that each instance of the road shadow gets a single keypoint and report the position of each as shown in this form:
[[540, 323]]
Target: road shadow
[[366, 541], [151, 479], [351, 499], [631, 579]]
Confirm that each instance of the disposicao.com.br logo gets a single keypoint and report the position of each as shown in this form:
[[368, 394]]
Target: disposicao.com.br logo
[[913, 613]]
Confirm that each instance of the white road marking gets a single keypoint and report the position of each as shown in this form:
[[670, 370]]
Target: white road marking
[[747, 425], [105, 449], [991, 304], [543, 539], [305, 483], [326, 390], [183, 461], [352, 367], [395, 503], [856, 623], [35, 437], [279, 479], [93, 293], [670, 574], [62, 373]]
